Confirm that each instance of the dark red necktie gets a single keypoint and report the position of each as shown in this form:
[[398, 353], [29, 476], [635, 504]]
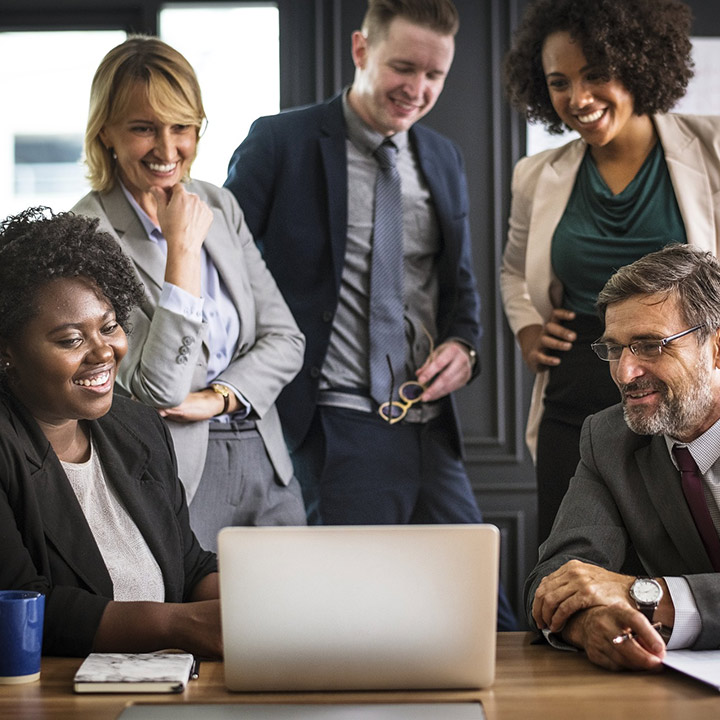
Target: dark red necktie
[[692, 485]]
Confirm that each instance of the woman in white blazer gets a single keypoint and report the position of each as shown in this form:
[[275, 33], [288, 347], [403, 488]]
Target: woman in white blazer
[[214, 343], [637, 179]]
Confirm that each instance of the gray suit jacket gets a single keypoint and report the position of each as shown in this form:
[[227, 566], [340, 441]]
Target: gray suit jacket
[[625, 511], [167, 357]]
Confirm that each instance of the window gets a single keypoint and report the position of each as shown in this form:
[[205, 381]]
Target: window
[[236, 54], [46, 77]]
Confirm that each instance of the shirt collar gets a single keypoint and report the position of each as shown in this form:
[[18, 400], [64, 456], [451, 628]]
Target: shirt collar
[[363, 137], [705, 449], [152, 230]]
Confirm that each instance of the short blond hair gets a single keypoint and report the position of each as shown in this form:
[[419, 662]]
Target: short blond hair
[[440, 16], [172, 90]]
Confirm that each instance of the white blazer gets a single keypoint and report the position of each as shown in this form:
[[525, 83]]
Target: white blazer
[[167, 355], [541, 188]]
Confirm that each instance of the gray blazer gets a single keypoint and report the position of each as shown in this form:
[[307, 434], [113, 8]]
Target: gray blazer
[[167, 356], [625, 511]]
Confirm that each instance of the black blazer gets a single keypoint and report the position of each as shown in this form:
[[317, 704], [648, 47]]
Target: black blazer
[[46, 544], [290, 178]]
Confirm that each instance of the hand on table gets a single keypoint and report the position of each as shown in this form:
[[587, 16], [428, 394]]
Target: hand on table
[[594, 630], [577, 586]]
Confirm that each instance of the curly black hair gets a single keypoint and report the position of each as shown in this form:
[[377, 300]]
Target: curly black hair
[[38, 246], [645, 44]]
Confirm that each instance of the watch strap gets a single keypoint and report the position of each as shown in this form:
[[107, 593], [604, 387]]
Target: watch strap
[[225, 392]]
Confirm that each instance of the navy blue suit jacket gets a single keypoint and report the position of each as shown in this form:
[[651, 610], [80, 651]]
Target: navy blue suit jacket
[[290, 178]]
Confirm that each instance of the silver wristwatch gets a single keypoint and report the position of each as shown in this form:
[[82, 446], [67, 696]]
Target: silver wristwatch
[[647, 594]]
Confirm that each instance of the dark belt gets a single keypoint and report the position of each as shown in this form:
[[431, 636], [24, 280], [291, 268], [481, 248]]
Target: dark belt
[[233, 425], [420, 413]]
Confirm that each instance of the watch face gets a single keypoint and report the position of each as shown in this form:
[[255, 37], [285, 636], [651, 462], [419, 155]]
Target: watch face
[[646, 591]]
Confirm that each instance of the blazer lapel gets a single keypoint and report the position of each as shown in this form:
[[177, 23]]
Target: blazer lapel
[[225, 258], [146, 255], [686, 165], [125, 458], [333, 152], [550, 200], [440, 193], [63, 520], [662, 481]]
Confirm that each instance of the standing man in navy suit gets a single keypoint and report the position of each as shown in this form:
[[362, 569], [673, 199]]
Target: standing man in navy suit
[[305, 180]]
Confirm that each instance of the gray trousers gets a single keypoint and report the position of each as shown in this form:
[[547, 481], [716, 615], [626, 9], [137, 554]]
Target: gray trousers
[[239, 486]]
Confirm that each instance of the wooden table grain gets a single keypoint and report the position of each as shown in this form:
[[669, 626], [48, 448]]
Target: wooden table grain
[[532, 681]]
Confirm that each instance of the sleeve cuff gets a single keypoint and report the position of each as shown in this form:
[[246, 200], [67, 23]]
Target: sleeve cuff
[[688, 623], [179, 301]]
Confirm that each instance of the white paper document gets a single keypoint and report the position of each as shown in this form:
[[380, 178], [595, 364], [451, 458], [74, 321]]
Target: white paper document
[[701, 664]]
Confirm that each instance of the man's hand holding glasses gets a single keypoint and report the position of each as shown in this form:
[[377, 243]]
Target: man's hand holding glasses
[[447, 368]]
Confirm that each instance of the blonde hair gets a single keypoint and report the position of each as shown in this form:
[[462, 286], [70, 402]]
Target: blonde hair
[[440, 16], [173, 93]]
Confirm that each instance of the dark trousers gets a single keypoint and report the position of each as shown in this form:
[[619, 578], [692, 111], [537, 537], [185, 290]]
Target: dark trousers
[[580, 386], [356, 469]]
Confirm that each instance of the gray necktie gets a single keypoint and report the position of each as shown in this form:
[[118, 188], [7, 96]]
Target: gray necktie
[[387, 326]]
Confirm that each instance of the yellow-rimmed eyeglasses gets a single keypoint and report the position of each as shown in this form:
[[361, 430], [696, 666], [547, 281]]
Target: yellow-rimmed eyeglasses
[[409, 392]]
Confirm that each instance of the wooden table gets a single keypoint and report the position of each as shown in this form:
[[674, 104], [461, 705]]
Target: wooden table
[[531, 682]]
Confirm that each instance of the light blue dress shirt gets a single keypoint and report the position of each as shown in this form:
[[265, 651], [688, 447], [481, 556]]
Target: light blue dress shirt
[[214, 307]]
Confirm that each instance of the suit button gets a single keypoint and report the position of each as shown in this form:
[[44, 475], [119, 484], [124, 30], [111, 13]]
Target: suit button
[[188, 340], [181, 359], [184, 350], [314, 372], [327, 316]]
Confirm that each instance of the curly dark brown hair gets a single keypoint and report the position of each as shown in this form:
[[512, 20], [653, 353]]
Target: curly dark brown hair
[[645, 44], [38, 246]]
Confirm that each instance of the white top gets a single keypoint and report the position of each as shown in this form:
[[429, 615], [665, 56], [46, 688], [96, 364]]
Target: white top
[[133, 570]]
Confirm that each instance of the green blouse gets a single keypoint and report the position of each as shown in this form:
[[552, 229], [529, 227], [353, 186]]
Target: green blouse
[[600, 232]]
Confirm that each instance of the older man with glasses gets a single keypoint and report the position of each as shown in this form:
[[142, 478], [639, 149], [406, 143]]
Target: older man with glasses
[[633, 559]]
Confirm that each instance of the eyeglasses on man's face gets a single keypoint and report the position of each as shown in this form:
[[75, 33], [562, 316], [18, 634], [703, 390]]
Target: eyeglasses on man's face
[[643, 349]]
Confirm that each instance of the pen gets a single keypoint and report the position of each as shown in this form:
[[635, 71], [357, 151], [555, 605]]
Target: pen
[[620, 639], [195, 670]]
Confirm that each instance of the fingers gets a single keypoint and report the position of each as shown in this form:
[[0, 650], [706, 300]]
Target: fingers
[[183, 216], [540, 342], [601, 626], [555, 335], [574, 587], [446, 370]]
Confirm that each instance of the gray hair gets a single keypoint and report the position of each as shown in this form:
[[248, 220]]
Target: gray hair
[[690, 275]]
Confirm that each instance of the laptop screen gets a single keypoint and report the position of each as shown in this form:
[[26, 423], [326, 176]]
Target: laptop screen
[[373, 607]]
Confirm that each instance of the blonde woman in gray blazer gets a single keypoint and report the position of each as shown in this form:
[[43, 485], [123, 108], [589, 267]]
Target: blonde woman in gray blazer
[[620, 114], [214, 343]]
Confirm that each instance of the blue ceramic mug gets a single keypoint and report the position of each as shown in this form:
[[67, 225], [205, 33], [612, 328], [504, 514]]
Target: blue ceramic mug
[[21, 631]]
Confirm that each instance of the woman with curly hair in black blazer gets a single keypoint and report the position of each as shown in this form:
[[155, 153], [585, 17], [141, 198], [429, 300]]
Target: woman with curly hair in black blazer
[[637, 179], [92, 513]]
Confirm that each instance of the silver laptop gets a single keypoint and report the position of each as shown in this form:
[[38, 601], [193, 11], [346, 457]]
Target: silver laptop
[[359, 608]]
